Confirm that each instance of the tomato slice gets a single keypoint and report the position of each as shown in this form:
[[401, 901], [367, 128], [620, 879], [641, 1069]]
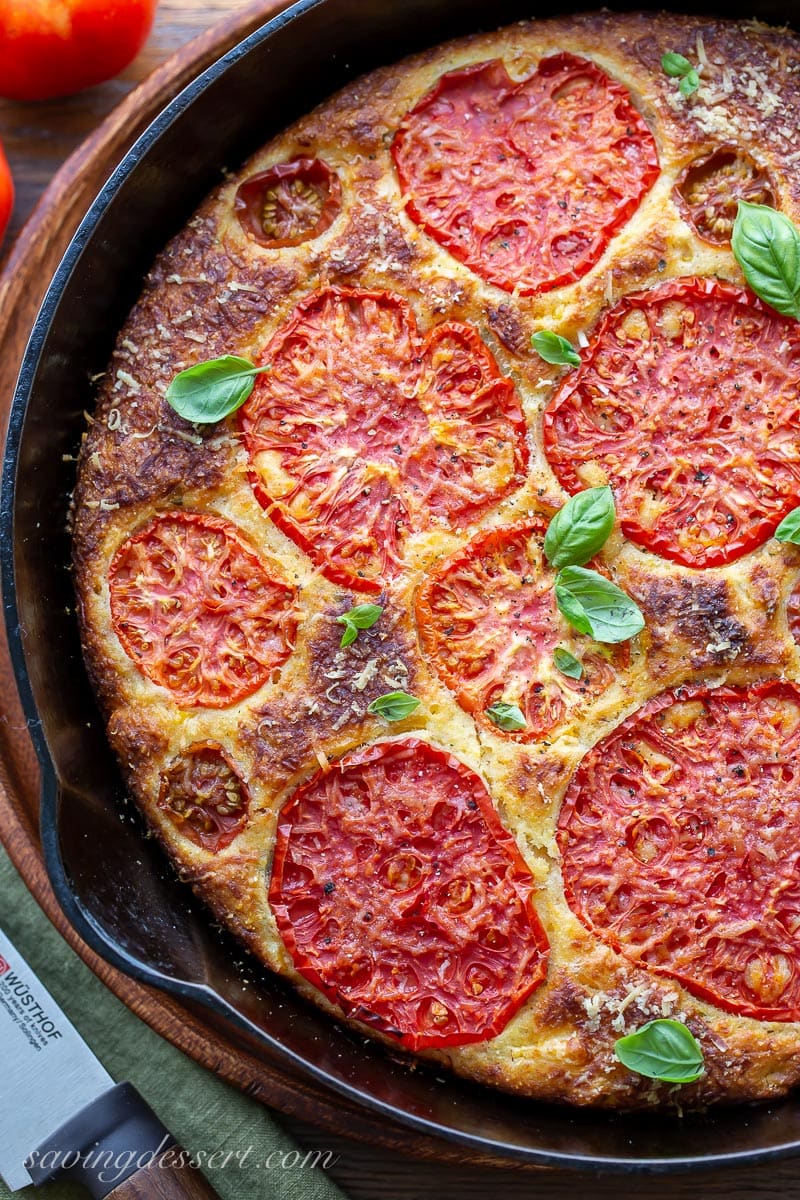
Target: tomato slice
[[196, 609], [289, 203], [687, 403], [363, 431], [525, 182], [204, 796], [680, 848], [488, 621], [710, 188], [402, 898]]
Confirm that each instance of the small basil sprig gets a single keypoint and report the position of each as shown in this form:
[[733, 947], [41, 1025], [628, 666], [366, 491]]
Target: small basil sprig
[[212, 390], [555, 349], [506, 716], [594, 605], [766, 245], [567, 663], [662, 1049], [789, 528], [580, 528], [363, 616], [394, 706], [678, 67]]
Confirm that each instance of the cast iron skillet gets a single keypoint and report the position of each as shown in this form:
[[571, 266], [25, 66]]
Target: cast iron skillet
[[114, 885]]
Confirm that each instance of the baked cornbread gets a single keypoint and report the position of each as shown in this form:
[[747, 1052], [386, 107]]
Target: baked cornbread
[[507, 901]]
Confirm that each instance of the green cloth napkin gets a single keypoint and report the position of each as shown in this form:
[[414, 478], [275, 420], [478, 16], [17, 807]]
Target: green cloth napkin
[[201, 1111]]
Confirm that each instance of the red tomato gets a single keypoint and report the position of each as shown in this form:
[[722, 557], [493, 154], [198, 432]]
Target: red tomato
[[400, 896], [204, 796], [525, 182], [55, 47], [363, 431], [680, 848], [197, 611], [6, 193], [687, 400], [488, 620]]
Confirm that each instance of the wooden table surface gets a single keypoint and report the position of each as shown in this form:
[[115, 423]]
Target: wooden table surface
[[38, 138]]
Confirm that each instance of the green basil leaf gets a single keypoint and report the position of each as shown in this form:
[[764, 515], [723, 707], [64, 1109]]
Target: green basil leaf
[[506, 716], [567, 663], [350, 632], [363, 616], [212, 390], [789, 528], [555, 349], [394, 706], [662, 1049], [580, 528], [766, 245], [675, 65], [595, 605], [689, 84]]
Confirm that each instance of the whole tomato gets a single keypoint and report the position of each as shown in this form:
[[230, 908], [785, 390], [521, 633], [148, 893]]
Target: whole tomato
[[55, 47], [6, 193]]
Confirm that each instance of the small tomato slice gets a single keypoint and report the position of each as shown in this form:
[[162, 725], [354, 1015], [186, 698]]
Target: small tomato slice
[[362, 431], [687, 401], [53, 48], [487, 619], [709, 191], [289, 203], [400, 895], [525, 182], [679, 841], [204, 796], [196, 609]]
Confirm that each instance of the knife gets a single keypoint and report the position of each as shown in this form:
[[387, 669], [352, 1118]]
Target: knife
[[62, 1113]]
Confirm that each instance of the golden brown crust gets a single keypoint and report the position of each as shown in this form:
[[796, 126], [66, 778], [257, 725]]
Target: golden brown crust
[[214, 291]]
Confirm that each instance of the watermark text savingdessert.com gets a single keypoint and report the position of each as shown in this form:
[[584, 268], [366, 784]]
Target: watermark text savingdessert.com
[[111, 1166]]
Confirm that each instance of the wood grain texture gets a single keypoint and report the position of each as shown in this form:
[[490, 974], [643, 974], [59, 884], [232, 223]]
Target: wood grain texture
[[165, 1182], [39, 138]]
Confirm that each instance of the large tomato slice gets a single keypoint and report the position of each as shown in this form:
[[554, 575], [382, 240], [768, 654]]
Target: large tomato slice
[[525, 182], [680, 847], [401, 896], [688, 403], [488, 620], [363, 431], [195, 608]]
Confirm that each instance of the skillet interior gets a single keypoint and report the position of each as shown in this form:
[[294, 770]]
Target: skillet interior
[[115, 886]]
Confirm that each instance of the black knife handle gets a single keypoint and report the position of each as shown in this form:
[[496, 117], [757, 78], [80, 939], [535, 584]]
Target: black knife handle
[[117, 1148]]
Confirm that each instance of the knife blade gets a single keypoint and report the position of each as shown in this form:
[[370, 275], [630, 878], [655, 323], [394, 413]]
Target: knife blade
[[62, 1111]]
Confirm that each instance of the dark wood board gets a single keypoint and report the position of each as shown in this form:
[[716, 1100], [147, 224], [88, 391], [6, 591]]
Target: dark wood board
[[95, 128]]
